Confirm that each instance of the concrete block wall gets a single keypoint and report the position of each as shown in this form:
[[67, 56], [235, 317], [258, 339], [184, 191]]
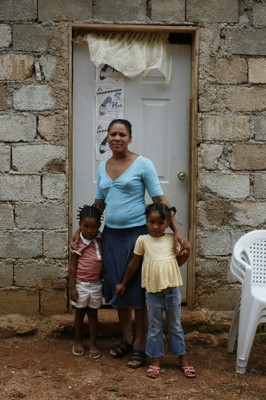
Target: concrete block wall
[[34, 139]]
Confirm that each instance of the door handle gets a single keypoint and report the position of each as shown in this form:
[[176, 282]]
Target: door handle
[[182, 176]]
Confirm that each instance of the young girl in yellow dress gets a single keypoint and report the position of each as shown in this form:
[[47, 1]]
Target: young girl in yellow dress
[[161, 277]]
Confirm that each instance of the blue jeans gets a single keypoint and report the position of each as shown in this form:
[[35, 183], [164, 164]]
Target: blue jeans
[[168, 301]]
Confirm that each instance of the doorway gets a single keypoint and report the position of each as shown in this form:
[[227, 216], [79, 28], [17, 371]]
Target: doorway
[[161, 120]]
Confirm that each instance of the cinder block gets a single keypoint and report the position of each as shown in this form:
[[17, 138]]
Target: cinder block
[[54, 128], [259, 14], [257, 70], [120, 10], [6, 273], [3, 97], [215, 242], [36, 158], [225, 128], [16, 67], [38, 273], [233, 99], [31, 37], [168, 10], [214, 211], [210, 154], [33, 98], [6, 216], [248, 157], [258, 127], [50, 10], [5, 158], [225, 185], [212, 11], [260, 185], [19, 301], [54, 186], [212, 299], [247, 41], [24, 10], [249, 214], [17, 128], [16, 188], [48, 66], [55, 245], [5, 36], [230, 70], [20, 244], [53, 302], [47, 216]]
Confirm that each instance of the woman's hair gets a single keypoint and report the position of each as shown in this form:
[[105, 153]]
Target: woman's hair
[[161, 208], [124, 122], [90, 212]]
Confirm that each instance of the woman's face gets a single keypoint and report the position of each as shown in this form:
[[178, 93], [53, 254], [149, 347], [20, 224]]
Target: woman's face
[[118, 138]]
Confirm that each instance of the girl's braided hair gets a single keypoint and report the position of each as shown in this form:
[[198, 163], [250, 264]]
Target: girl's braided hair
[[161, 208], [89, 211]]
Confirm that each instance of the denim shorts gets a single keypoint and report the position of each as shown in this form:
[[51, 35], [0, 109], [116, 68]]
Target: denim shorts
[[167, 301]]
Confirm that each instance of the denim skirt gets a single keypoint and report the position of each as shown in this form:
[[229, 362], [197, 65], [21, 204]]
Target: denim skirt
[[117, 251]]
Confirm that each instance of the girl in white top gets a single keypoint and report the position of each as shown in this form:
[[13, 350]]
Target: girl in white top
[[161, 278]]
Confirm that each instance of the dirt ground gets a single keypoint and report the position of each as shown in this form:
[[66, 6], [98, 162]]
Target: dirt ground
[[39, 368]]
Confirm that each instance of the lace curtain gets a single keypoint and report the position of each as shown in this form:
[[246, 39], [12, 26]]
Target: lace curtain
[[131, 53]]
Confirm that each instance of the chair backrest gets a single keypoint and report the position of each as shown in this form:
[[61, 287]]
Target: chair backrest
[[251, 248]]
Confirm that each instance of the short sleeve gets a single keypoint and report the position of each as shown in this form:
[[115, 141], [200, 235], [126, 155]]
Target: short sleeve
[[151, 180], [139, 246]]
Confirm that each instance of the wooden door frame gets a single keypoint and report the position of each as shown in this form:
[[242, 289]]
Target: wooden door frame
[[194, 33]]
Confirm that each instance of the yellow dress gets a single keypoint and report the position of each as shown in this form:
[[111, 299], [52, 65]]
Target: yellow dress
[[160, 268]]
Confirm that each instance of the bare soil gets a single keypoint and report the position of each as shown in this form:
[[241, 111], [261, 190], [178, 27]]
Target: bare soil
[[36, 368]]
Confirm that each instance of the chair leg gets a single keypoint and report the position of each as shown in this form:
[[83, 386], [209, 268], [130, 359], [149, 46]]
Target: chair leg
[[248, 322], [234, 327]]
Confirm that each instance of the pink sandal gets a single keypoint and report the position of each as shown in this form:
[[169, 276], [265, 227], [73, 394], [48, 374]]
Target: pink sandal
[[153, 371], [189, 371]]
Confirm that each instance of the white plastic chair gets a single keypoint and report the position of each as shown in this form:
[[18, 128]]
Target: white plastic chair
[[248, 265]]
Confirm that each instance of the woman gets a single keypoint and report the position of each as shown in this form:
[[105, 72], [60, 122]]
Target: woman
[[121, 184]]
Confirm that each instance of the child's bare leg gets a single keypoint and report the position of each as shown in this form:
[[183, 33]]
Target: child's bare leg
[[183, 361], [155, 361], [93, 322], [187, 368], [79, 317]]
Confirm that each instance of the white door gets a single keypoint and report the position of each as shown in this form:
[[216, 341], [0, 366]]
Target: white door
[[159, 114]]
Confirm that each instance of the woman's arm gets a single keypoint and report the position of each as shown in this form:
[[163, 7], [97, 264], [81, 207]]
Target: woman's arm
[[100, 204], [130, 272], [174, 226], [183, 256]]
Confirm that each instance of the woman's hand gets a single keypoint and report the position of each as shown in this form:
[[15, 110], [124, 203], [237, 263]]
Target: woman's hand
[[74, 241], [120, 289], [186, 247]]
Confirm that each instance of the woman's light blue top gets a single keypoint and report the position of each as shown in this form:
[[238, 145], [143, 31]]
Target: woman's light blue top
[[125, 196]]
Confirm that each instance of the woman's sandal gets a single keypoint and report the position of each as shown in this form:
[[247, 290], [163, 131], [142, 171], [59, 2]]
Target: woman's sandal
[[121, 349], [137, 359], [153, 371], [189, 371], [94, 354]]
